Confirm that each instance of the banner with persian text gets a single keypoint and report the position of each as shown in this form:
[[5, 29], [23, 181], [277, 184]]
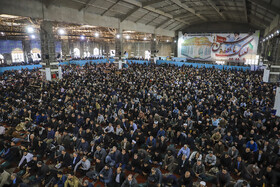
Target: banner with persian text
[[218, 46]]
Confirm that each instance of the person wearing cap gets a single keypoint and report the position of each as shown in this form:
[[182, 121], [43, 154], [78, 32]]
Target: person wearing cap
[[210, 159], [202, 184]]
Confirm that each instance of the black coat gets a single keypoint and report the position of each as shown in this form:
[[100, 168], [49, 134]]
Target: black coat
[[66, 160]]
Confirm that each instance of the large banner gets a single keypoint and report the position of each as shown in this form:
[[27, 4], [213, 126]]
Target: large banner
[[233, 46]]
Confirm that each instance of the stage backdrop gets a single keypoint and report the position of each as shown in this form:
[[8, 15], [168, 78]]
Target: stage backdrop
[[219, 46]]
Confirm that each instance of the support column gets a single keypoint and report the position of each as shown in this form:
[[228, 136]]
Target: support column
[[71, 47], [82, 49], [65, 48], [153, 47], [48, 49], [47, 43], [107, 50], [118, 44], [26, 50]]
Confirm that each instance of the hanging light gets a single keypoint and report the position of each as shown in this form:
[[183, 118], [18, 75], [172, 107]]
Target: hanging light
[[96, 34], [61, 31], [32, 36], [118, 36], [30, 29], [145, 38], [82, 37], [127, 37]]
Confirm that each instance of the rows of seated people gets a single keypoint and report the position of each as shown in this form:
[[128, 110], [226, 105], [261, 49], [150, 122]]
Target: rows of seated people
[[149, 125]]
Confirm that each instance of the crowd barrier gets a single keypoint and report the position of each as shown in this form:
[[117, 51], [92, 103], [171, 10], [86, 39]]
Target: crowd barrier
[[199, 65], [83, 62], [9, 68], [138, 61]]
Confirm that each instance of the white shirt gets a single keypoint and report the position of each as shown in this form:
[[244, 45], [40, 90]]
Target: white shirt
[[28, 158]]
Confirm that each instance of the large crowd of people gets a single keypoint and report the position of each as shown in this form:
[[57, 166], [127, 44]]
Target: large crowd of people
[[146, 125]]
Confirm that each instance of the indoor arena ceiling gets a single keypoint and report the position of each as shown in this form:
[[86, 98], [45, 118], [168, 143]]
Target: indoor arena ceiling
[[177, 14], [170, 15]]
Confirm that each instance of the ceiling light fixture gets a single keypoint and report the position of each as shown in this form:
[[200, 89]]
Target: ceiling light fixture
[[61, 31], [30, 29], [118, 36], [96, 34], [32, 36], [127, 37], [82, 37]]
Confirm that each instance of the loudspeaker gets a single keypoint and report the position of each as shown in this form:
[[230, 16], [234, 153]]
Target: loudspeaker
[[58, 56], [38, 55]]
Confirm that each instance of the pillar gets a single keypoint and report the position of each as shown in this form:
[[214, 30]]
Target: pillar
[[71, 47], [118, 44], [107, 49], [153, 47], [26, 50], [65, 48], [82, 49], [48, 49]]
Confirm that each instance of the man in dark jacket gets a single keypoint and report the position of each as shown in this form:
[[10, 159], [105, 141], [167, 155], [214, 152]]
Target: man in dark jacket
[[64, 159], [130, 181], [118, 178], [186, 180], [223, 178], [155, 177]]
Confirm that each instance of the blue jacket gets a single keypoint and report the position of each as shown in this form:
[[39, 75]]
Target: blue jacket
[[253, 147], [60, 182]]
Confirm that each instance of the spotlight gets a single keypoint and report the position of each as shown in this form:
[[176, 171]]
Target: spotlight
[[175, 41], [155, 39], [277, 32], [61, 31], [127, 37], [2, 33], [118, 36], [30, 29], [32, 36], [96, 34], [82, 37], [145, 38], [167, 40]]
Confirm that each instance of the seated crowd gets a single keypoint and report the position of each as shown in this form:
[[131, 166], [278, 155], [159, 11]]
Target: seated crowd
[[144, 125]]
